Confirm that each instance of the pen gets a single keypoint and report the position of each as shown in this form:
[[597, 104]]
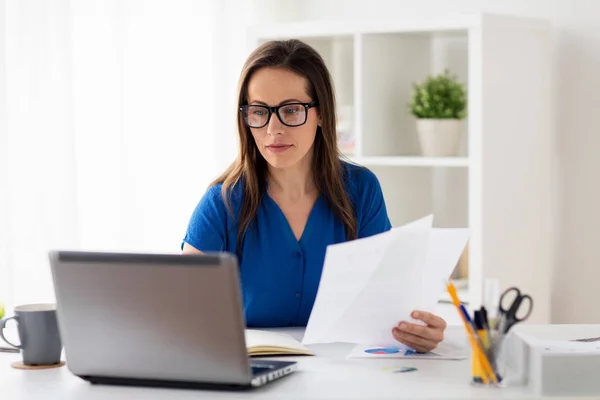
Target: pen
[[485, 322], [482, 349], [473, 336], [484, 332], [476, 361], [491, 348], [479, 322]]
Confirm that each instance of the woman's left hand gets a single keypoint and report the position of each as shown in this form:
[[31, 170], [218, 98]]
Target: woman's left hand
[[421, 338]]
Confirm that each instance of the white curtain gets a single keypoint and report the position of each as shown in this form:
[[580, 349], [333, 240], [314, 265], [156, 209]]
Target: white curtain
[[112, 122]]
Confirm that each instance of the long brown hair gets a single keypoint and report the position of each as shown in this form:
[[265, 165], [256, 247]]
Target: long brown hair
[[250, 168]]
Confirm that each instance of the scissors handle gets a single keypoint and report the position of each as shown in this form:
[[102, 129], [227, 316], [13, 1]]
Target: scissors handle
[[513, 296], [529, 306], [511, 313]]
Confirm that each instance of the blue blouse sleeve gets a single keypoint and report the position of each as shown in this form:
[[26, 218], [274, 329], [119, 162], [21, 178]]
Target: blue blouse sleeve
[[373, 218], [207, 227]]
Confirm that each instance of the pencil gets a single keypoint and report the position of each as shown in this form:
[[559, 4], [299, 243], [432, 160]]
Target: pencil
[[473, 336], [472, 333]]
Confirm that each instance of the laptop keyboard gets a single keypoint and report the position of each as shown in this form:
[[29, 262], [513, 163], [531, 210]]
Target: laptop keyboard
[[257, 369]]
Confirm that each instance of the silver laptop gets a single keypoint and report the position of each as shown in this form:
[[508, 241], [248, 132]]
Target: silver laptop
[[156, 320]]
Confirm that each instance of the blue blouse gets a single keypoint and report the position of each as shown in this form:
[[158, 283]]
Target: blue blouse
[[279, 274]]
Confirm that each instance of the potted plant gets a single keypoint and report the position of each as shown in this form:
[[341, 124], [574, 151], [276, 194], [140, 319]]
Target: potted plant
[[439, 103]]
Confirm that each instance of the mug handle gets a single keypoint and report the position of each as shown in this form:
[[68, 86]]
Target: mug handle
[[3, 322]]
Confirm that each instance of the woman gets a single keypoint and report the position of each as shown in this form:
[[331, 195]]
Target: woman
[[289, 195]]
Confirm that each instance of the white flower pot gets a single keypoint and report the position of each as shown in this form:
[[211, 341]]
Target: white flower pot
[[439, 137]]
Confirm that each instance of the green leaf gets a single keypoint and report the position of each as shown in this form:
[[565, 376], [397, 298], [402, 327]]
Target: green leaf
[[440, 96]]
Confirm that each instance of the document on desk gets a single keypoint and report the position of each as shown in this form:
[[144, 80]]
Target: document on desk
[[444, 351], [369, 285]]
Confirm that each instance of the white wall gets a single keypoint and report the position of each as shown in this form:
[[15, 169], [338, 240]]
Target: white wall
[[576, 293], [107, 129]]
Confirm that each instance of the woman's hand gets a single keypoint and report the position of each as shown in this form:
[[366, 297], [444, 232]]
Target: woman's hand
[[421, 338]]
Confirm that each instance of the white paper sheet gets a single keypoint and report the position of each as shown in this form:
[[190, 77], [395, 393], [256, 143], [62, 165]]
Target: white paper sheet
[[369, 285], [445, 248], [353, 275]]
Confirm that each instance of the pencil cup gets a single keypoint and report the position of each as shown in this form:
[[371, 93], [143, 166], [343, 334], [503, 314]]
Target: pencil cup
[[488, 367]]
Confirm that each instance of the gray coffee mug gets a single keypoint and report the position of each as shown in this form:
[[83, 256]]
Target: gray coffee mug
[[38, 332]]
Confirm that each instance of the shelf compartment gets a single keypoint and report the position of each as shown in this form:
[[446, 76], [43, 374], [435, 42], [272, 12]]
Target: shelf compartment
[[413, 192], [389, 65]]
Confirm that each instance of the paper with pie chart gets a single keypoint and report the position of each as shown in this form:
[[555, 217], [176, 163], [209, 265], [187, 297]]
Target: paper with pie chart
[[369, 285], [443, 352]]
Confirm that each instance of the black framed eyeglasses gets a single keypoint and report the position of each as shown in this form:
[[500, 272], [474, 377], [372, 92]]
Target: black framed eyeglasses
[[290, 114]]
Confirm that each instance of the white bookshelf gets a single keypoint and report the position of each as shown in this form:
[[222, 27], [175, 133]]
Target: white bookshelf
[[500, 183]]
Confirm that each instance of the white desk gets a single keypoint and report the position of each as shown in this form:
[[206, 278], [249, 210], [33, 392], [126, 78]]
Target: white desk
[[328, 375]]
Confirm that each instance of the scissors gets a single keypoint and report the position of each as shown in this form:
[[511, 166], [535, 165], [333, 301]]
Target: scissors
[[508, 315]]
